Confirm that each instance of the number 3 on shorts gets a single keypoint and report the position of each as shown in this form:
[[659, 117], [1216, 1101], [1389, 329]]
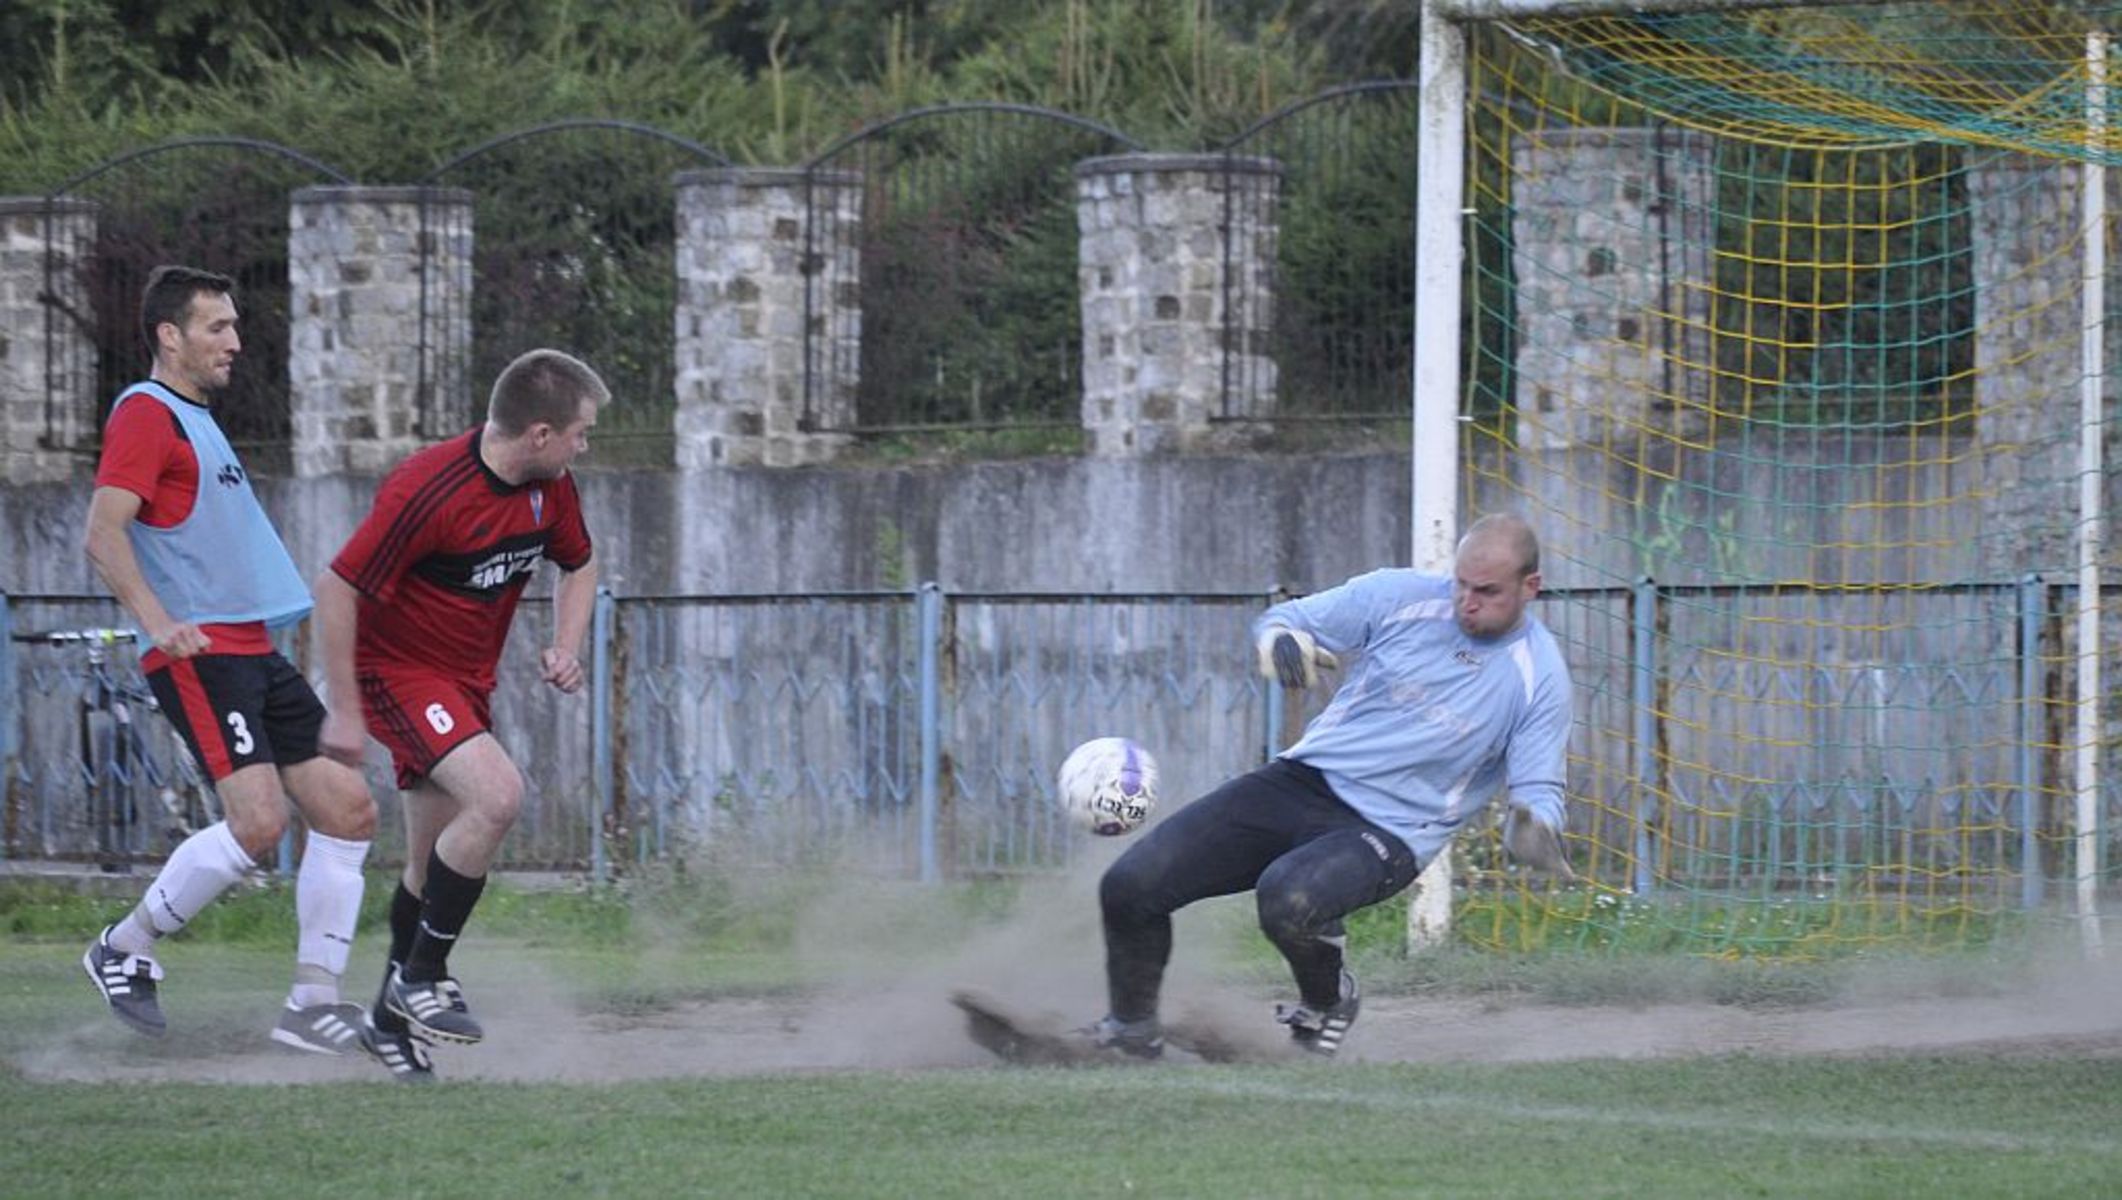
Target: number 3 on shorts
[[240, 734], [438, 718]]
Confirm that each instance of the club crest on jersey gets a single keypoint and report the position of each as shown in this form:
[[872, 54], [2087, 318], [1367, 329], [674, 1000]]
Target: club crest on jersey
[[537, 497], [1467, 658]]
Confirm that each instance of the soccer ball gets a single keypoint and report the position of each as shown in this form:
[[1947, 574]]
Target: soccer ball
[[1108, 785]]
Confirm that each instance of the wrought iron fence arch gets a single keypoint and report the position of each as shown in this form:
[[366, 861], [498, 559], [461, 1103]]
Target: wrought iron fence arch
[[705, 153], [864, 369], [1341, 335], [94, 286], [575, 259]]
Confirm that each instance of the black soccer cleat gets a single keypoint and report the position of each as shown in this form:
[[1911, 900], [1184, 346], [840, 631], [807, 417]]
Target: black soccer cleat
[[127, 982], [435, 1009], [1321, 1031], [402, 1054], [1113, 1038], [320, 1028]]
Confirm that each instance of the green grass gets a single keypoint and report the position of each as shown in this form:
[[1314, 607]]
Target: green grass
[[1723, 1126]]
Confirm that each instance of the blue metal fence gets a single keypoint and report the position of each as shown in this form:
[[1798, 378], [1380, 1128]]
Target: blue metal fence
[[1725, 737]]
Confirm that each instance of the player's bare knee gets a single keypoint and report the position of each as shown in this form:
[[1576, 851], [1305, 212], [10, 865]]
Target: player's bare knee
[[350, 816], [257, 827], [499, 804]]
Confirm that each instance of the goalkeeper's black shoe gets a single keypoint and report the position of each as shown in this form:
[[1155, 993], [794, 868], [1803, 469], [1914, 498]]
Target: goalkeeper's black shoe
[[1320, 1031], [127, 982], [434, 1008], [402, 1054], [1123, 1039]]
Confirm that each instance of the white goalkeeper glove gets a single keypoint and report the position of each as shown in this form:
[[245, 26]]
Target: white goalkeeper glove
[[1535, 845], [1293, 657]]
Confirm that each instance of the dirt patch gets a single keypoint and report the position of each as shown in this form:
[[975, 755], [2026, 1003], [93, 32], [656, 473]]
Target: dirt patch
[[541, 1038]]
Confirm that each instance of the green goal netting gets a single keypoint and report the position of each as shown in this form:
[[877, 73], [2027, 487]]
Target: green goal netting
[[1778, 327]]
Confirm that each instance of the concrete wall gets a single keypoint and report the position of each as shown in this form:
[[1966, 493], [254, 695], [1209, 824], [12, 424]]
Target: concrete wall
[[1195, 524]]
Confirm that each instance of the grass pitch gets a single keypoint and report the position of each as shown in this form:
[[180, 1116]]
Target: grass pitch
[[1888, 1125]]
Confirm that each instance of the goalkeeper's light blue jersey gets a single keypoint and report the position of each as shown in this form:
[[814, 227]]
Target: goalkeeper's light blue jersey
[[1429, 723]]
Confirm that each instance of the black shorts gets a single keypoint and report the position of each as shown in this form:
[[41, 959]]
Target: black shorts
[[239, 710]]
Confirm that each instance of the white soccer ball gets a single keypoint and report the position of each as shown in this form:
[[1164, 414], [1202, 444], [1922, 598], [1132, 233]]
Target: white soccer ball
[[1108, 785]]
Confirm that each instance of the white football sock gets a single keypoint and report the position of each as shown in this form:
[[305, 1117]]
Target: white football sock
[[327, 904], [199, 869]]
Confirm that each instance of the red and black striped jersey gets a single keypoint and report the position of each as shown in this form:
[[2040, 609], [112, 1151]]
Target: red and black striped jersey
[[445, 554]]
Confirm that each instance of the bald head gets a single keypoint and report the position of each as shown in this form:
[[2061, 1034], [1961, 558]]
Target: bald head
[[1507, 532], [1495, 574]]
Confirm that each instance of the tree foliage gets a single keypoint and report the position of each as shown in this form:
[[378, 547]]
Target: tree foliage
[[387, 89]]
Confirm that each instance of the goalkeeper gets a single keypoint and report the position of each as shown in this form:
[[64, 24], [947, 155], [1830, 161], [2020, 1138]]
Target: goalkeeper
[[1457, 692]]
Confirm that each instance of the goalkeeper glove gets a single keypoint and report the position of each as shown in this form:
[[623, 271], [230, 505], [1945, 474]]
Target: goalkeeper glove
[[1535, 845], [1293, 657]]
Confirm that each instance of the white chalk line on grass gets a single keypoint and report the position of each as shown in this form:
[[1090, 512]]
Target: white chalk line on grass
[[1202, 1082]]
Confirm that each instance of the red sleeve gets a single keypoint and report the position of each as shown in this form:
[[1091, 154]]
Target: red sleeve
[[137, 444], [389, 540], [569, 547]]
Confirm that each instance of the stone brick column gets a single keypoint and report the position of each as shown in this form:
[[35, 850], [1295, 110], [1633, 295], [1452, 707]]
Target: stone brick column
[[751, 242], [2028, 332], [1164, 296], [1612, 239], [380, 314], [1612, 230], [48, 360]]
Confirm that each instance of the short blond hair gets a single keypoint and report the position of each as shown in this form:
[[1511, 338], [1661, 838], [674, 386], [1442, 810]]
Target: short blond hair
[[543, 386]]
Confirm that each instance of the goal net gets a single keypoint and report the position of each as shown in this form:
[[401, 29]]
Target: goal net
[[1785, 327]]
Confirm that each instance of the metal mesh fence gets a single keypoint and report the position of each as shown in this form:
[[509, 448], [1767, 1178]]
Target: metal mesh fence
[[916, 733]]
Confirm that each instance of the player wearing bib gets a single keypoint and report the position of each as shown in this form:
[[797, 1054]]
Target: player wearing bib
[[1459, 694], [178, 535], [412, 617]]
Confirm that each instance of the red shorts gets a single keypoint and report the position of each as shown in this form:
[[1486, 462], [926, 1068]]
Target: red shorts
[[420, 717]]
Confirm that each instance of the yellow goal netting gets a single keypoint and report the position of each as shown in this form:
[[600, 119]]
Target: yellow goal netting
[[1781, 327]]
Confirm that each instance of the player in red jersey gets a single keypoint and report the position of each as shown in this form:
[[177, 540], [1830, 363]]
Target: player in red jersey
[[412, 615]]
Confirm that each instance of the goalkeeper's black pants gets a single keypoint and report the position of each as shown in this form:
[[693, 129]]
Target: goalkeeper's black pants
[[1279, 832]]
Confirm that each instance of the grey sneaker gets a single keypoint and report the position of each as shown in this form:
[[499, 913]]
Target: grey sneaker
[[320, 1028], [436, 1009], [402, 1054], [1133, 1039], [127, 982], [1321, 1031]]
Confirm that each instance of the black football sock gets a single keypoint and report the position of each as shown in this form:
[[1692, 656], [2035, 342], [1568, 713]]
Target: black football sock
[[405, 922], [447, 906]]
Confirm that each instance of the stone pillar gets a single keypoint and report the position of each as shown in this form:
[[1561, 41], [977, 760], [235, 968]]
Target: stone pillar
[[379, 342], [769, 270], [1165, 296], [48, 401], [2024, 216], [1612, 233]]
